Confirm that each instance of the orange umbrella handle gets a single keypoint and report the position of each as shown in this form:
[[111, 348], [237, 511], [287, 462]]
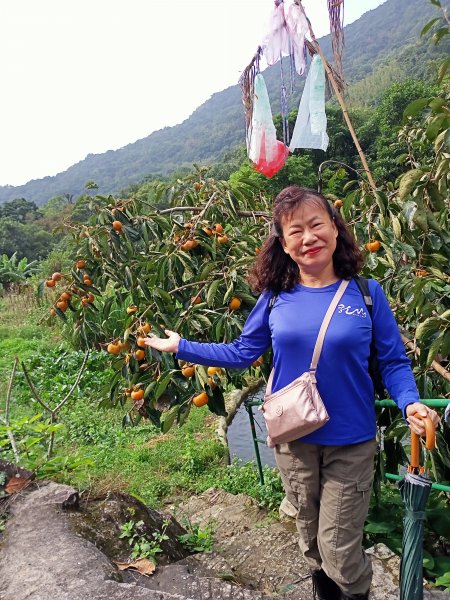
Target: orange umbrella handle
[[430, 440]]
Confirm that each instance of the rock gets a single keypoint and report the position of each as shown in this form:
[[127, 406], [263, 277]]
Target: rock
[[99, 521], [263, 554], [258, 552], [44, 555], [194, 581]]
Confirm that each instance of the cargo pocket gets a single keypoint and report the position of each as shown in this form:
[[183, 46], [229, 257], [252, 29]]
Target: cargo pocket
[[364, 486]]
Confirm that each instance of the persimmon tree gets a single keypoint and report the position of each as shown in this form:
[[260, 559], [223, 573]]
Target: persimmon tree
[[139, 269], [405, 229]]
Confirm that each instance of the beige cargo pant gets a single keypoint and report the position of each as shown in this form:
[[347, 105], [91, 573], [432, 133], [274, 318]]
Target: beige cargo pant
[[330, 487]]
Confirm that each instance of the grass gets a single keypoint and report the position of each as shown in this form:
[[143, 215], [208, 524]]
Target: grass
[[94, 452], [140, 460], [22, 333]]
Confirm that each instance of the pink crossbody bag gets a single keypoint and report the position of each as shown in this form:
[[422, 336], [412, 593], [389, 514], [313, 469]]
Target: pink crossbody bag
[[297, 409]]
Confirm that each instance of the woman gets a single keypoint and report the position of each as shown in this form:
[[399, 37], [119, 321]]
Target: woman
[[328, 473]]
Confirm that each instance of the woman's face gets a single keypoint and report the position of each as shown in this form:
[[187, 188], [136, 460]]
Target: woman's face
[[309, 237]]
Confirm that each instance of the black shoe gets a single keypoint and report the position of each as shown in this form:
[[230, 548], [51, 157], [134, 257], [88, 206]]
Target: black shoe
[[324, 588], [355, 596]]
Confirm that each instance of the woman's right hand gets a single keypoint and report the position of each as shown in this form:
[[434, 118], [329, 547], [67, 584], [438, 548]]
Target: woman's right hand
[[169, 344]]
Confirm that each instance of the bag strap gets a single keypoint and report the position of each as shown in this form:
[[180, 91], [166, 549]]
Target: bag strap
[[363, 286], [326, 321], [319, 342]]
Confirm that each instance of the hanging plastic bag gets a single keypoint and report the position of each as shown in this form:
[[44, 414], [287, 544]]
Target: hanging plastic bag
[[297, 26], [276, 42], [264, 150], [270, 167], [310, 129]]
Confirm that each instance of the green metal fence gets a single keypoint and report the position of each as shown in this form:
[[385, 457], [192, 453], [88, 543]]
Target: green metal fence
[[249, 404]]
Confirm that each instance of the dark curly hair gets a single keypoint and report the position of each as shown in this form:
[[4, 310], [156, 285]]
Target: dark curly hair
[[275, 270]]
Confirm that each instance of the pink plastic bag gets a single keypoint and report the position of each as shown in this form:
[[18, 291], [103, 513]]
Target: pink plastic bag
[[270, 166], [264, 150]]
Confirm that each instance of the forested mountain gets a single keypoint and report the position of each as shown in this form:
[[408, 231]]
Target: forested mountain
[[381, 47]]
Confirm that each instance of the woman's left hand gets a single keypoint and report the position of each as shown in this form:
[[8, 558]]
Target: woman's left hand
[[416, 423]]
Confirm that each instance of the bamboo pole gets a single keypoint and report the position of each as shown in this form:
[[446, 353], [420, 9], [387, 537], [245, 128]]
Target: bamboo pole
[[332, 79]]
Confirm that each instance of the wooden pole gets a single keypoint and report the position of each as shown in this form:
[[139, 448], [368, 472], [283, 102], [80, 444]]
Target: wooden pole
[[331, 78]]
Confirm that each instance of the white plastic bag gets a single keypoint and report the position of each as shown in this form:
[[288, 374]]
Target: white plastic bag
[[310, 129]]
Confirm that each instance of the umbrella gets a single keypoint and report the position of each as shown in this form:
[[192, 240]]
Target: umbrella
[[414, 489]]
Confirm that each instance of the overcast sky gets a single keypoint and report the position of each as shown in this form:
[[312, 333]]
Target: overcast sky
[[87, 76]]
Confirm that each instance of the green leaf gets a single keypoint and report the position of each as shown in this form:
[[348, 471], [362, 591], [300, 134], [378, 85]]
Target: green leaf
[[61, 314], [168, 418], [148, 390], [437, 103], [445, 65], [133, 234], [145, 290], [429, 25], [442, 564], [383, 527], [216, 403], [228, 293], [444, 580], [128, 277], [435, 126], [435, 241], [205, 272], [442, 169], [447, 140], [436, 38], [163, 383], [396, 227], [372, 261], [436, 199], [382, 200], [212, 291], [445, 348], [434, 348], [420, 219], [113, 393], [428, 560], [247, 299], [204, 321], [414, 108], [408, 182], [426, 327], [408, 250], [183, 413]]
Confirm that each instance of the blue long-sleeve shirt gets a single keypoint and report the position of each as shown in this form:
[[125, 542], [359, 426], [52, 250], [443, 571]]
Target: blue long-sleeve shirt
[[343, 380]]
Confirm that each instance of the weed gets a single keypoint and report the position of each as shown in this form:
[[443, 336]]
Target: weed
[[197, 539], [243, 478], [142, 546], [31, 436]]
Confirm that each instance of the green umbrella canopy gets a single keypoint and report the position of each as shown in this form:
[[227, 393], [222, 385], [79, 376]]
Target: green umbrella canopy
[[414, 489]]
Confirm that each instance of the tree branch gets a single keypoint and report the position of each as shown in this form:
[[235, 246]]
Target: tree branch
[[8, 393], [199, 209], [33, 389], [9, 433], [77, 381], [435, 365]]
